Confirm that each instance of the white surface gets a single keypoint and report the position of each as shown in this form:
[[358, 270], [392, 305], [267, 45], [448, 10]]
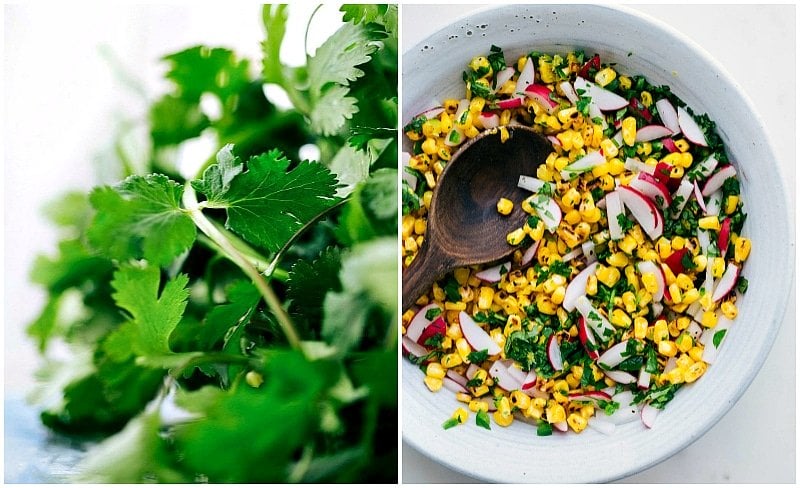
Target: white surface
[[755, 441], [62, 101]]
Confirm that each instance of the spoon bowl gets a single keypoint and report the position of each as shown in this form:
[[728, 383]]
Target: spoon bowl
[[464, 226]]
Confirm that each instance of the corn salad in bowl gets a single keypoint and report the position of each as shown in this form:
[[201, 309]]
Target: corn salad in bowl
[[628, 268]]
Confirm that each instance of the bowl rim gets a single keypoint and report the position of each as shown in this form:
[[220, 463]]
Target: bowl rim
[[778, 314]]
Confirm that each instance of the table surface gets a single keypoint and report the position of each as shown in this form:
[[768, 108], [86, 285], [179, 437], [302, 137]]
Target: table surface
[[755, 441]]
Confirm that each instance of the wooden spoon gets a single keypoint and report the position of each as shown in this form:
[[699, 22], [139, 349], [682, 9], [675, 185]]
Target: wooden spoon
[[464, 226]]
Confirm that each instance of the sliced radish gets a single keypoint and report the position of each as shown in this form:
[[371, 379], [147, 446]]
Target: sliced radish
[[503, 76], [606, 100], [662, 173], [636, 166], [724, 235], [505, 380], [554, 353], [577, 252], [489, 120], [714, 204], [420, 321], [588, 251], [705, 168], [554, 141], [461, 380], [621, 377], [649, 414], [681, 196], [472, 370], [617, 138], [668, 115], [626, 411], [671, 364], [529, 381], [601, 425], [589, 396], [494, 274], [690, 129], [561, 426], [477, 338], [613, 355], [614, 211], [526, 76], [669, 145], [637, 108], [577, 287], [413, 349], [453, 385], [515, 371], [431, 113], [586, 336], [529, 254], [587, 162], [596, 113], [548, 210], [703, 240], [716, 180], [510, 103], [438, 326], [650, 186], [655, 270], [531, 183], [675, 261], [698, 195], [593, 62], [594, 319], [643, 382], [650, 132], [726, 282], [657, 308], [541, 94], [694, 330], [643, 210], [569, 92]]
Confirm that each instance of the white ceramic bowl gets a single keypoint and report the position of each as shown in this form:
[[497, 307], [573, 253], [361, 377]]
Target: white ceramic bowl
[[432, 71]]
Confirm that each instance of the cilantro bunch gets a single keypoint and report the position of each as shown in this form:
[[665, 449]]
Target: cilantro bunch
[[239, 325]]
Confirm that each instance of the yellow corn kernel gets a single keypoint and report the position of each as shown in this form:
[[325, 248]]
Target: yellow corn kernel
[[676, 172], [624, 82], [451, 360], [629, 301], [673, 159], [640, 327], [684, 282], [741, 249], [684, 342], [731, 203], [479, 391], [558, 295], [485, 298], [429, 146], [684, 361], [609, 149], [672, 326], [471, 131], [675, 376], [728, 309], [505, 206], [696, 353], [663, 247], [650, 283], [605, 76], [515, 237], [461, 275], [618, 260], [620, 318], [478, 405], [710, 223], [444, 154], [608, 276], [454, 332], [700, 261], [503, 420], [660, 331], [644, 149], [463, 348], [433, 384], [592, 216], [572, 217], [629, 131], [709, 318], [476, 105], [571, 197], [694, 371], [408, 225], [520, 400], [577, 422], [627, 244], [616, 167], [455, 306], [555, 412], [675, 293], [682, 145], [463, 398], [667, 348], [430, 179], [717, 267], [601, 170], [435, 370], [545, 305], [591, 285], [560, 391], [690, 296]]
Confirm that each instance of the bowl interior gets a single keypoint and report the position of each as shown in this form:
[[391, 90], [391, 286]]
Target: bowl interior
[[432, 72]]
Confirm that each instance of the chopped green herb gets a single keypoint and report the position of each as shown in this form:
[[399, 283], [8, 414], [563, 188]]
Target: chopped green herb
[[433, 312], [544, 429], [718, 336], [478, 357], [482, 420], [450, 423]]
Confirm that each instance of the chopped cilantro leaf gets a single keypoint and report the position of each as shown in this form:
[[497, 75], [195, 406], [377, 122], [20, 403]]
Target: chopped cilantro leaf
[[718, 336], [482, 420], [450, 423], [433, 312], [477, 357]]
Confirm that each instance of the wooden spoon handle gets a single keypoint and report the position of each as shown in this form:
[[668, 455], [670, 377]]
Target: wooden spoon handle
[[429, 265]]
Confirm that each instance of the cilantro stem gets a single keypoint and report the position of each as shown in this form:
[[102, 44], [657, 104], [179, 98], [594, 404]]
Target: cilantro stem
[[258, 261], [235, 255]]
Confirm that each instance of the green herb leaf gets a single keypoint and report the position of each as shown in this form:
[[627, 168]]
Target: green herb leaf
[[718, 336], [482, 420], [450, 423], [478, 357]]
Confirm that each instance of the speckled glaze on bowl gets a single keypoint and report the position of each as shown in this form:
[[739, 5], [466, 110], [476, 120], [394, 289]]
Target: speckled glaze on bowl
[[639, 45]]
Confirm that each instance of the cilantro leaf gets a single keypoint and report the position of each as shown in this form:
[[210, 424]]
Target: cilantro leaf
[[718, 336], [336, 60], [154, 315], [482, 420], [358, 13], [268, 204], [332, 109], [201, 69], [477, 357], [141, 218], [242, 300], [310, 281]]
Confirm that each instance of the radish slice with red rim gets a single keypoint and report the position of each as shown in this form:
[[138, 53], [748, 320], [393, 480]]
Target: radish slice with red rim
[[621, 377], [690, 129], [503, 76], [698, 195], [668, 114], [477, 338], [554, 353], [606, 100], [457, 378], [541, 94], [529, 254], [420, 321], [716, 180], [453, 386], [612, 356], [655, 270], [726, 282], [586, 336], [412, 348], [577, 287], [569, 92], [643, 382], [651, 132], [526, 76], [494, 274], [649, 414]]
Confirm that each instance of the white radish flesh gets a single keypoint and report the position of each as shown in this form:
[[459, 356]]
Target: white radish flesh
[[531, 183], [726, 282], [613, 355], [420, 321], [494, 274], [690, 129], [716, 180], [651, 132], [477, 338], [577, 287], [606, 100], [668, 114]]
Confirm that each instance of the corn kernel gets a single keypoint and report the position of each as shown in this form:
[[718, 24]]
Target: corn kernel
[[728, 309], [741, 249], [608, 276], [620, 318], [520, 400], [694, 371], [700, 261], [435, 370], [684, 342], [731, 203], [675, 293], [560, 390], [618, 260], [591, 285], [609, 149], [717, 267], [571, 197], [463, 397], [515, 237], [639, 328], [433, 384], [709, 223], [684, 361], [451, 360], [627, 244], [478, 405], [503, 420], [616, 167], [684, 282], [605, 76], [558, 295], [629, 130], [505, 206], [555, 412], [667, 348], [675, 376], [577, 422], [709, 318], [629, 300], [660, 331], [650, 283], [682, 145], [696, 353]]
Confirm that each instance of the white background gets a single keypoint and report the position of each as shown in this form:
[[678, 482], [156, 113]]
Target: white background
[[755, 441], [62, 100]]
